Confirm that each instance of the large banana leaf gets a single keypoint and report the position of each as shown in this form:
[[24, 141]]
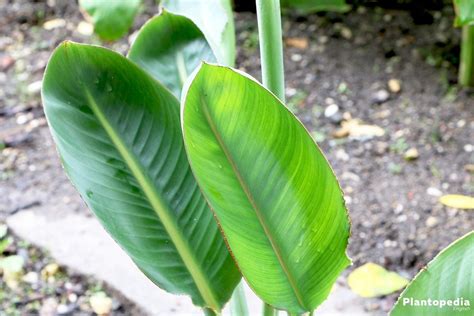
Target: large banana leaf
[[310, 6], [449, 277], [273, 192], [215, 19], [464, 12], [111, 19], [118, 134], [170, 47]]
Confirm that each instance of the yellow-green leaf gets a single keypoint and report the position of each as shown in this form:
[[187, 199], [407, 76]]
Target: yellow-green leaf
[[372, 280], [458, 201], [272, 190]]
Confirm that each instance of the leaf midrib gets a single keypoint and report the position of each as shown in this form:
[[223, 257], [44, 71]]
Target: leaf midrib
[[251, 199], [159, 206]]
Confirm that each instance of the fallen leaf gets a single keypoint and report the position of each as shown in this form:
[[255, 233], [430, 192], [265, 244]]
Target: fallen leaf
[[354, 128], [372, 280], [101, 304], [297, 42], [469, 168], [49, 270], [12, 268], [53, 24], [458, 201]]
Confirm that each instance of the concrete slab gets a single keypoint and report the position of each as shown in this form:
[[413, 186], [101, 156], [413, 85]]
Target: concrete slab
[[79, 242]]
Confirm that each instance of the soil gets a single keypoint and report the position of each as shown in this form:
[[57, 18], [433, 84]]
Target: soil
[[331, 59]]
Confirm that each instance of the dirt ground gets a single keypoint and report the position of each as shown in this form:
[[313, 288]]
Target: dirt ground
[[337, 69]]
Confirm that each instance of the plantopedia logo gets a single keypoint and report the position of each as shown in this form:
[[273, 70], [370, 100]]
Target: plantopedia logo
[[459, 304]]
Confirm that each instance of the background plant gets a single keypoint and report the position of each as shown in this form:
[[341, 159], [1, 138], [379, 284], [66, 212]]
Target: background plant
[[465, 19]]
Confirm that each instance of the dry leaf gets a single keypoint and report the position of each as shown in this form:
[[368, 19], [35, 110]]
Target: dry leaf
[[297, 42], [53, 24], [101, 304], [372, 280], [12, 269], [49, 270], [458, 201], [355, 128]]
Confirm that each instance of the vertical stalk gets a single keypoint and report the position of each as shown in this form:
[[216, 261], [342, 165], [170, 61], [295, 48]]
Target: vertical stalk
[[466, 67], [268, 310], [271, 46], [271, 59], [210, 312], [238, 303]]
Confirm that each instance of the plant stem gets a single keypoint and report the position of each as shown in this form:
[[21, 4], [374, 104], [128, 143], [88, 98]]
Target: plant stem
[[271, 56], [238, 303], [268, 310], [271, 46], [210, 312], [466, 67]]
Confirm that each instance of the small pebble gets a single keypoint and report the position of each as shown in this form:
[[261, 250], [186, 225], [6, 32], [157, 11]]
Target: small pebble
[[394, 85], [434, 191], [31, 277], [411, 154], [432, 221], [85, 28], [342, 155], [346, 32], [332, 113], [34, 87], [380, 97], [296, 57], [53, 24]]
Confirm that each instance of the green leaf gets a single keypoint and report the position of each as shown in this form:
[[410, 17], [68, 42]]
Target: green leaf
[[215, 19], [12, 264], [170, 47], [117, 131], [464, 12], [311, 6], [372, 280], [112, 19], [238, 302], [4, 243], [273, 192], [3, 230], [449, 277]]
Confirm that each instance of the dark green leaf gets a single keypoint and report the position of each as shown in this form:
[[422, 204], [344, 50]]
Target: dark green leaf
[[272, 190], [118, 134], [170, 47]]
